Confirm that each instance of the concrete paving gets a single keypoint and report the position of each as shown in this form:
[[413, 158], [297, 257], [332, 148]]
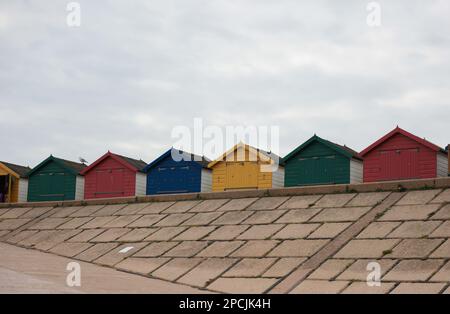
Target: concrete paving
[[30, 271]]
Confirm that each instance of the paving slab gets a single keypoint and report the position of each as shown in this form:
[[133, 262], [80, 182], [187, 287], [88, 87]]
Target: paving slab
[[340, 214], [231, 218], [418, 288], [220, 248], [86, 235], [75, 223], [298, 215], [146, 221], [165, 234], [368, 199], [119, 253], [111, 235], [418, 197], [227, 232], [12, 224], [136, 235], [268, 203], [242, 285], [413, 270], [284, 266], [443, 197], [259, 232], [237, 204], [48, 223], [55, 238], [320, 287], [378, 229], [132, 209], [181, 207], [334, 200], [366, 248], [176, 268], [86, 210], [297, 248], [443, 213], [250, 267], [361, 268], [264, 217], [414, 229], [64, 212], [208, 206], [187, 249], [300, 202], [108, 210], [443, 274], [364, 288], [96, 251], [409, 212], [173, 220], [195, 233], [201, 219], [329, 230], [36, 212], [295, 231], [14, 212], [121, 221], [330, 269], [155, 208], [70, 249], [155, 249], [141, 265], [414, 248], [442, 251], [255, 248], [205, 272]]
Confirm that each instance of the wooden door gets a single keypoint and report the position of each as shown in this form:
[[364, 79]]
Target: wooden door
[[242, 175]]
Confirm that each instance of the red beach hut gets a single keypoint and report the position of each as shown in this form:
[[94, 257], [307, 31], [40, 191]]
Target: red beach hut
[[113, 175], [400, 155]]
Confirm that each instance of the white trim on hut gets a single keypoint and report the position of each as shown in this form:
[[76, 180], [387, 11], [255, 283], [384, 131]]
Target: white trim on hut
[[206, 180], [141, 184], [356, 171]]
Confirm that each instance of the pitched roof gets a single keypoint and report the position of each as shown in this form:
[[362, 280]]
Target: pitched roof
[[234, 253], [411, 136], [201, 160], [269, 155], [20, 170], [74, 167], [139, 164], [130, 163], [341, 149]]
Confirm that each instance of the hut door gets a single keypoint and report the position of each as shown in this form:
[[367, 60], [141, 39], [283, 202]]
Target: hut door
[[409, 163], [242, 175], [110, 182], [399, 164], [317, 170]]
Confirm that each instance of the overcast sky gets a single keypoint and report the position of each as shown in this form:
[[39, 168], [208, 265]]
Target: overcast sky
[[134, 70]]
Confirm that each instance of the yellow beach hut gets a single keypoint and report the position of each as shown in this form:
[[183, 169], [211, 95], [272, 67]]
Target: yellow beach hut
[[246, 167], [13, 183]]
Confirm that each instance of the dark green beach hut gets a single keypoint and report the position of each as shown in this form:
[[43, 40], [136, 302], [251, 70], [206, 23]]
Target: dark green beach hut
[[318, 161], [56, 179]]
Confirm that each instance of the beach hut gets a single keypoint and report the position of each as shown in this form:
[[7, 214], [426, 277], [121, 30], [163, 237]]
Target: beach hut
[[400, 155], [246, 167], [114, 175], [318, 161], [56, 179], [13, 183], [176, 171]]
